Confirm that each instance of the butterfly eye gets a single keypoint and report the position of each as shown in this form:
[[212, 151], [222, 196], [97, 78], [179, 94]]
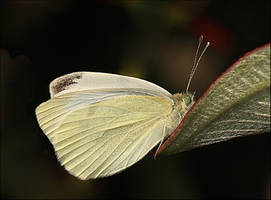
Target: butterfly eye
[[187, 99]]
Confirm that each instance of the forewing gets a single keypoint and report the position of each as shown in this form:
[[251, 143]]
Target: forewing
[[102, 138], [79, 81]]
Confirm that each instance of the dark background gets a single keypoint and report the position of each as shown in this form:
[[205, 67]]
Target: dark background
[[154, 40]]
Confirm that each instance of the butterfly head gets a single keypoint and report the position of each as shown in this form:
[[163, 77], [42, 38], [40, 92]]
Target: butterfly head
[[183, 102]]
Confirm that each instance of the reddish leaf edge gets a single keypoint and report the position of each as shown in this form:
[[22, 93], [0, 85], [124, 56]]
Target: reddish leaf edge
[[173, 134]]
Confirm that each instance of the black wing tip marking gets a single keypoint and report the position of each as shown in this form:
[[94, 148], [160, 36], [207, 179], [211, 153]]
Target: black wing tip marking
[[65, 81]]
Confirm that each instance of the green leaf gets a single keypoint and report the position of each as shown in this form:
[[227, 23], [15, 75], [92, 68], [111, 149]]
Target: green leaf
[[236, 104]]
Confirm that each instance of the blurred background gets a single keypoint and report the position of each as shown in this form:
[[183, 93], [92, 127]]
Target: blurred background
[[153, 40]]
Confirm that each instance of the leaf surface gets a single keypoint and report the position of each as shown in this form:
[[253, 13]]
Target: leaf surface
[[236, 104]]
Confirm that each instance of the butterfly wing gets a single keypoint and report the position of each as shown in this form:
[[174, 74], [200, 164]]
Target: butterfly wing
[[97, 133], [78, 81]]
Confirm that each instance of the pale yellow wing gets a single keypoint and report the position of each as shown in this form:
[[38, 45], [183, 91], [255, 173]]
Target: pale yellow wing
[[102, 138]]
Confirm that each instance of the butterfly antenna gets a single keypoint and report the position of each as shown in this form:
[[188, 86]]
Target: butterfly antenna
[[196, 60]]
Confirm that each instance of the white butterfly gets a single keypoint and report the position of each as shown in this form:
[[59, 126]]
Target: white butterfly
[[100, 123]]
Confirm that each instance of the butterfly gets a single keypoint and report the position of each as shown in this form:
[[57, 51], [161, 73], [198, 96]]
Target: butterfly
[[100, 124]]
